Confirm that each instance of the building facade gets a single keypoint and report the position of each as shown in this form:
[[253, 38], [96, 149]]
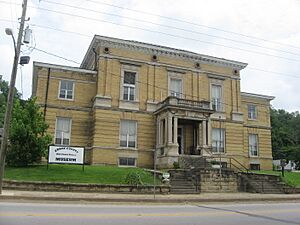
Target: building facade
[[137, 104]]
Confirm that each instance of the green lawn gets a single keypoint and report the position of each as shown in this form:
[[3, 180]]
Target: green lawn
[[74, 173], [290, 178]]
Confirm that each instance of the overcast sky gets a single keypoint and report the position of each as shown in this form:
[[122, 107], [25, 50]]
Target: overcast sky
[[265, 34]]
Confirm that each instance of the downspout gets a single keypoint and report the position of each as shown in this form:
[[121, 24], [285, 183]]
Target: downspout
[[46, 95]]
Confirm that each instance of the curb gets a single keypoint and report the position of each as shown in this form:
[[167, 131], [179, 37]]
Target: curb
[[144, 200]]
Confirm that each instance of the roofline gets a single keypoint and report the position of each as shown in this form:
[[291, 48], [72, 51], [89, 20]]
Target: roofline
[[252, 95], [62, 67], [158, 49]]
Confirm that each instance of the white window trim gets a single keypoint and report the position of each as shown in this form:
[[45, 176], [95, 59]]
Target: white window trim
[[256, 114], [224, 141], [175, 76], [136, 134], [257, 143], [222, 96], [73, 90], [133, 69], [70, 127]]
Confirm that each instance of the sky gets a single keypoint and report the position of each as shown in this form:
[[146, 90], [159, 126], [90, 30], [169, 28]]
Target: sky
[[264, 34]]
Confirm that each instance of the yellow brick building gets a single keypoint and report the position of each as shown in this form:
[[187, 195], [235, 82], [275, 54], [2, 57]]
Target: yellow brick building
[[131, 102]]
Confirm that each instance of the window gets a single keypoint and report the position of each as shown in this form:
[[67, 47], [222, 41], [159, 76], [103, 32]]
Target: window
[[176, 87], [216, 94], [63, 131], [253, 147], [218, 137], [252, 112], [124, 161], [66, 89], [128, 133], [129, 86], [254, 166]]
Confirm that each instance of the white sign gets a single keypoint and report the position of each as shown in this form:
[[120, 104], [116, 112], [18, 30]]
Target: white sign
[[66, 155]]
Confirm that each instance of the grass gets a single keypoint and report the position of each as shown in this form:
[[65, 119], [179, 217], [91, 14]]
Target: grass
[[290, 178], [74, 174]]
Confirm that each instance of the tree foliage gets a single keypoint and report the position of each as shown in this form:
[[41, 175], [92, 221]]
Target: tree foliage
[[3, 98], [286, 135], [28, 142]]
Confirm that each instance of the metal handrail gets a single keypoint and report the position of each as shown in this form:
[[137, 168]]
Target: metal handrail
[[235, 160]]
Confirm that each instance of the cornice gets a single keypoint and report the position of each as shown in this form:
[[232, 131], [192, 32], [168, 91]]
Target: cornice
[[252, 95], [157, 50], [62, 67]]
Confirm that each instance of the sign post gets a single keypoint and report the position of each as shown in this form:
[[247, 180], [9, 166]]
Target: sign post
[[65, 155]]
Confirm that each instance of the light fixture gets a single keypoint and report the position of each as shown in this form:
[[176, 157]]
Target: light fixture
[[9, 31]]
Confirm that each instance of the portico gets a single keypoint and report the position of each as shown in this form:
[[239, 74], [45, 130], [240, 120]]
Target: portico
[[183, 128]]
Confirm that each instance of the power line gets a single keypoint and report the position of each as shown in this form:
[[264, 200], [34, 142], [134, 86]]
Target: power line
[[55, 55], [167, 89], [192, 23], [155, 86], [163, 33], [172, 27], [90, 36]]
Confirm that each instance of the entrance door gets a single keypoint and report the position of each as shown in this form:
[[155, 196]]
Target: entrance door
[[180, 140]]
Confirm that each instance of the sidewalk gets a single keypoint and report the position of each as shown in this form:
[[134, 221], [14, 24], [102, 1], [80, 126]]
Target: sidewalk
[[13, 195]]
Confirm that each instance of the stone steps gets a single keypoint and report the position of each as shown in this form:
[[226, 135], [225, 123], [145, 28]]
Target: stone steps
[[262, 183], [182, 182]]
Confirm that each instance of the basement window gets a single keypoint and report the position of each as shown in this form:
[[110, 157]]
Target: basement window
[[124, 161], [254, 166]]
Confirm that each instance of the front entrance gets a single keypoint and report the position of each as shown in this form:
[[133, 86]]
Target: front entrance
[[180, 140]]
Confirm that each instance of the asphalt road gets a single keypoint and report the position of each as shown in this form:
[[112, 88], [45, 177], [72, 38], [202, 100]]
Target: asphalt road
[[187, 214]]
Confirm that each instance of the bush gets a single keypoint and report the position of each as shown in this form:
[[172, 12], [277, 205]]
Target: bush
[[134, 178], [176, 165], [28, 141]]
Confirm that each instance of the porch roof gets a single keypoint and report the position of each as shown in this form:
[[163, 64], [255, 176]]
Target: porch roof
[[175, 103]]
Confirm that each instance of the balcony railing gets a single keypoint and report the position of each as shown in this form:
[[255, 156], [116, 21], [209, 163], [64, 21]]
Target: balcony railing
[[179, 102]]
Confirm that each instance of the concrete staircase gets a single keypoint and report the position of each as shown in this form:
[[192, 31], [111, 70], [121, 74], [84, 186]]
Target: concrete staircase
[[182, 182], [261, 183]]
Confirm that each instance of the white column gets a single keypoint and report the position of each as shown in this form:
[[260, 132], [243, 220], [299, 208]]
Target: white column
[[203, 132], [175, 125], [209, 132], [166, 132], [170, 139]]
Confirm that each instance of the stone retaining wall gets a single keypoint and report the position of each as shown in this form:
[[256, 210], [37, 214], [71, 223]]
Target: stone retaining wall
[[210, 181], [76, 187]]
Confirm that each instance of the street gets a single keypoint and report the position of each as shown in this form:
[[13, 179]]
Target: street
[[125, 214]]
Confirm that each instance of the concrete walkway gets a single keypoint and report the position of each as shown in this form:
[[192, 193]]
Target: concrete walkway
[[13, 195]]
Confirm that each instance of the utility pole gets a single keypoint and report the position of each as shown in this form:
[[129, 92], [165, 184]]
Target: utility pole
[[10, 97]]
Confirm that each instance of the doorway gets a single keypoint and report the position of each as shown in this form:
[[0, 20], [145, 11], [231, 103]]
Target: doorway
[[180, 140]]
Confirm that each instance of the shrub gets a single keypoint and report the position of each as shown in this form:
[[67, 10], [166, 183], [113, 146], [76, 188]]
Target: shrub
[[134, 178], [176, 165]]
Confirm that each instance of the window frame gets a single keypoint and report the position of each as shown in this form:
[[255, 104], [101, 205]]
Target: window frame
[[129, 86], [130, 69], [134, 158], [251, 115], [66, 93], [70, 130], [250, 146], [223, 130], [221, 104], [175, 76], [127, 134], [172, 92]]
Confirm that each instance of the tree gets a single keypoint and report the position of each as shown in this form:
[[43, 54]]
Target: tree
[[3, 98], [28, 141], [286, 135]]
